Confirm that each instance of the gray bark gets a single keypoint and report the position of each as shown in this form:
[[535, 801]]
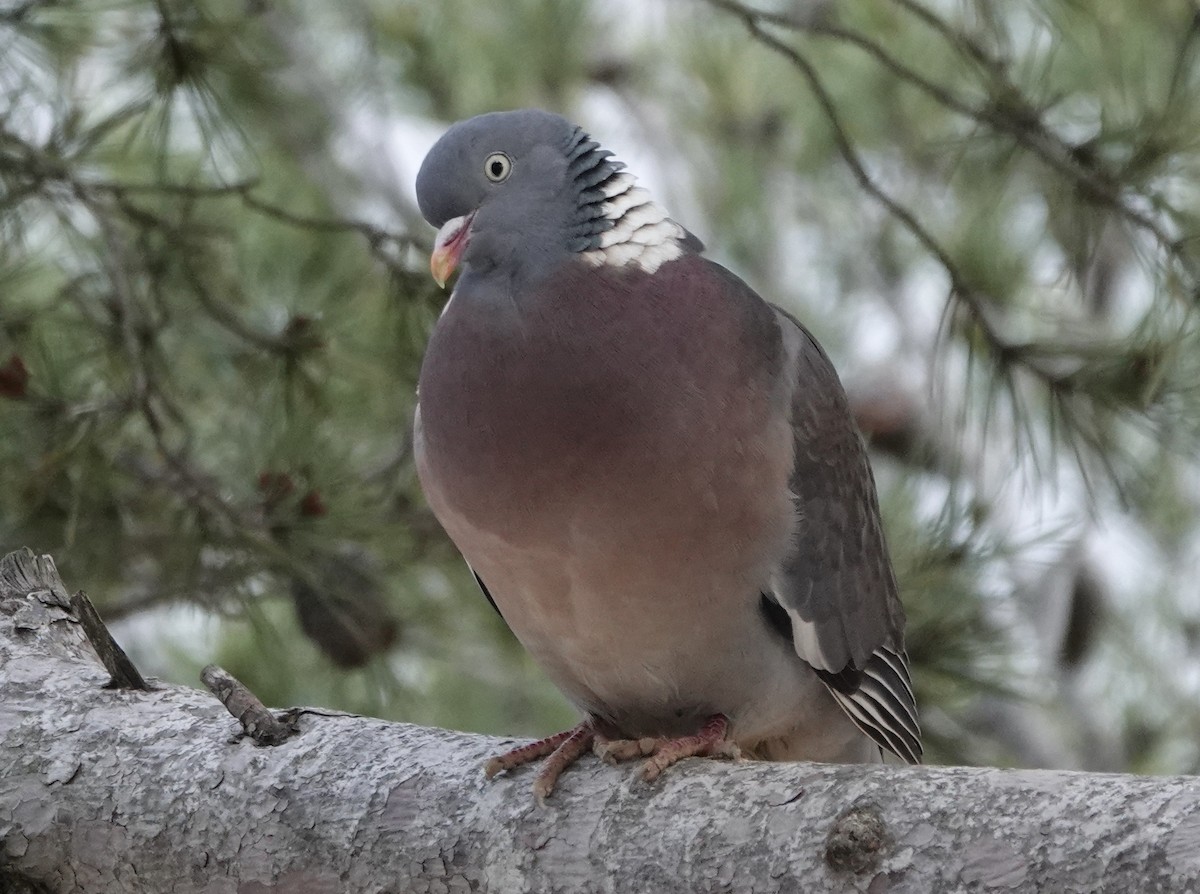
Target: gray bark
[[115, 790]]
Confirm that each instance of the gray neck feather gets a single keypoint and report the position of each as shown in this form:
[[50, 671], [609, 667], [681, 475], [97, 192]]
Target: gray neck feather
[[589, 170]]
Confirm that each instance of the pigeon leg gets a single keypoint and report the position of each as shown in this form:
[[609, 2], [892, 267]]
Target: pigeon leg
[[560, 750], [574, 746], [710, 741], [525, 754]]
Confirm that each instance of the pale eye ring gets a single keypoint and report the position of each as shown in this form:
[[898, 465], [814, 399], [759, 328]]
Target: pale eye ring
[[497, 167]]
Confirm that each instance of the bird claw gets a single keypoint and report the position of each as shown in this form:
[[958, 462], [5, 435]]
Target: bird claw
[[563, 749], [662, 752], [560, 750], [613, 751], [525, 754], [675, 750]]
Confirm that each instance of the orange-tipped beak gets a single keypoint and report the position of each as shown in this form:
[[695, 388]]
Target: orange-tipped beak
[[451, 242]]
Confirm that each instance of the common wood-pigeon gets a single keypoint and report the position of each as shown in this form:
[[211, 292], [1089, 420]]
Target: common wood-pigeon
[[653, 472]]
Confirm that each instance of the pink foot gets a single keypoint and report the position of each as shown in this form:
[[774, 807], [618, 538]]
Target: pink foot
[[710, 741], [560, 750]]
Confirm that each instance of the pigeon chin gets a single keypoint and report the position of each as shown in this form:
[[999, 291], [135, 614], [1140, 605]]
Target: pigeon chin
[[449, 246]]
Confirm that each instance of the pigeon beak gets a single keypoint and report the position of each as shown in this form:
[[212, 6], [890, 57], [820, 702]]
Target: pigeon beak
[[451, 242]]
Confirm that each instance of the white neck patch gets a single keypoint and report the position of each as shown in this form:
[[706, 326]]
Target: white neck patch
[[642, 234]]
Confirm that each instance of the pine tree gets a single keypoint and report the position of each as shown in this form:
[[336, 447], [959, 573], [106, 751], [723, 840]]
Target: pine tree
[[213, 302]]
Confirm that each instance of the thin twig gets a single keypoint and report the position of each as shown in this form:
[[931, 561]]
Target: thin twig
[[1020, 121], [1028, 131], [958, 286], [123, 673], [963, 44], [41, 167], [264, 727], [1060, 388]]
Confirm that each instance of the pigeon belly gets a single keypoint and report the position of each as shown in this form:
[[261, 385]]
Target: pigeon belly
[[613, 487]]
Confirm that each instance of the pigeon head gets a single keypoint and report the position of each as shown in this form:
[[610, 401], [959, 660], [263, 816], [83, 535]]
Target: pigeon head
[[524, 190]]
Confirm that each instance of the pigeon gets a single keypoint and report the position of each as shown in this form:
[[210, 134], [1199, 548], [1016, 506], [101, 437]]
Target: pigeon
[[652, 472]]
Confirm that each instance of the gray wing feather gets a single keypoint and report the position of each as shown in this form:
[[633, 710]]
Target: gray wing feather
[[837, 583]]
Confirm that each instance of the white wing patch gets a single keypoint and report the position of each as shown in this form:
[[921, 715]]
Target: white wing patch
[[642, 233], [883, 707], [808, 644]]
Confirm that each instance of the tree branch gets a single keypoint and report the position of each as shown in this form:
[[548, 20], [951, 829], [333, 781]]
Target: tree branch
[[1008, 112], [120, 791], [1064, 373], [959, 287]]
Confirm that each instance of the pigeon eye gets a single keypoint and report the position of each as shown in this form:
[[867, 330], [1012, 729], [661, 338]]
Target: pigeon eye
[[497, 167]]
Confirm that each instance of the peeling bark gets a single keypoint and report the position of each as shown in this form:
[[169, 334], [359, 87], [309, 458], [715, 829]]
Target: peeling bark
[[115, 790]]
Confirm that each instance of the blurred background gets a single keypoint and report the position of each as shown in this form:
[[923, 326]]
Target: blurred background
[[214, 295]]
